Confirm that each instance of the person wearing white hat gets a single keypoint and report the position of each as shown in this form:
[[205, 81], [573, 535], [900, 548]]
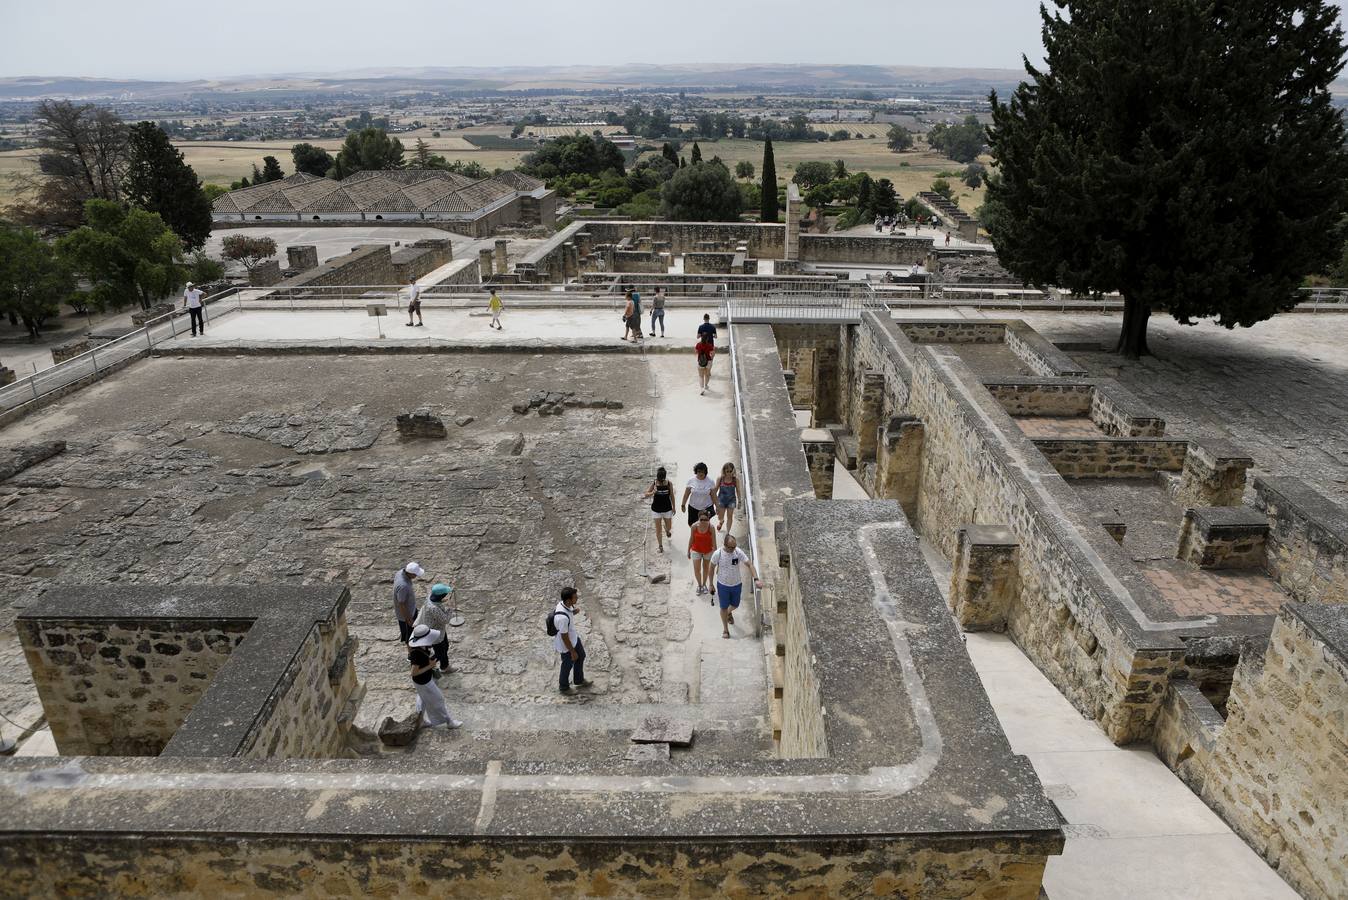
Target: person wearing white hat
[[430, 701], [405, 598], [192, 303]]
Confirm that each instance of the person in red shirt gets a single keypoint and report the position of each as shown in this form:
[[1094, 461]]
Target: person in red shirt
[[706, 350], [701, 545]]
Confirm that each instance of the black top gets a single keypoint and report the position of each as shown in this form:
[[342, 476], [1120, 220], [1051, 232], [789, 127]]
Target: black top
[[420, 656], [663, 498], [708, 329]]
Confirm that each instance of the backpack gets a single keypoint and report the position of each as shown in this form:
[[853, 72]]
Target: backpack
[[703, 357], [550, 626]]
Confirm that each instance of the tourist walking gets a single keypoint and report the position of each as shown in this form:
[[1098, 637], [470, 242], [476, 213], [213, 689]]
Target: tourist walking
[[661, 494], [629, 308], [727, 496], [494, 306], [435, 615], [192, 303], [430, 700], [566, 640], [405, 598], [730, 564], [658, 311], [414, 302], [947, 239], [706, 352], [706, 329], [701, 545], [697, 494]]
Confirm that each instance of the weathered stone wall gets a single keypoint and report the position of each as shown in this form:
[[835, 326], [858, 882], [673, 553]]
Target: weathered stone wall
[[708, 263], [420, 257], [880, 251], [1307, 543], [504, 868], [265, 273], [763, 241], [122, 688], [1112, 457], [802, 711], [301, 719], [462, 273], [645, 261], [368, 265], [1037, 397], [1275, 769], [1118, 412]]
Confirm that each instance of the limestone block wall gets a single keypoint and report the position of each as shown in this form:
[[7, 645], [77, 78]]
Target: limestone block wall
[[1120, 413], [432, 865], [1035, 397], [803, 734], [645, 261], [1307, 542], [763, 241], [122, 688], [420, 257], [708, 263], [368, 265], [301, 719], [1112, 457], [880, 251], [1275, 769]]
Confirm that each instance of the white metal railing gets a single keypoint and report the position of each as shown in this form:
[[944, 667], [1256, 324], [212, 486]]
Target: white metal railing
[[97, 360], [746, 478]]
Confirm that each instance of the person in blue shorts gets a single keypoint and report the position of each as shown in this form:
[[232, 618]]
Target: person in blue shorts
[[730, 564]]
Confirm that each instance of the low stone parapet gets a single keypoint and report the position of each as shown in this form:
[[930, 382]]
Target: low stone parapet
[[69, 350], [1223, 537], [985, 578], [1213, 475]]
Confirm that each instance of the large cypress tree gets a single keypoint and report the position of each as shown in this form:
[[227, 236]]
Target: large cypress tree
[[769, 207], [158, 180], [697, 153], [1182, 152]]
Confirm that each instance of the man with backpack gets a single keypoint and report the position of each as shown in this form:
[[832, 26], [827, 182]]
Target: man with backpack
[[561, 627]]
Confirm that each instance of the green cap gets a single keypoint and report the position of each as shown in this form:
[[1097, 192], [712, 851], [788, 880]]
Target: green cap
[[440, 590]]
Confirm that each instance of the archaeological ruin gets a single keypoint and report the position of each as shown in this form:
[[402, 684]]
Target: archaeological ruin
[[944, 482]]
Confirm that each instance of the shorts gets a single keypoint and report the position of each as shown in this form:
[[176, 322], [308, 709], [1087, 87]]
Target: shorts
[[695, 555], [693, 513], [414, 306], [728, 595], [725, 498], [667, 514]]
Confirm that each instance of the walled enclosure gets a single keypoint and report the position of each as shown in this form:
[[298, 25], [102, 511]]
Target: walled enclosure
[[192, 671], [1029, 557], [1275, 768]]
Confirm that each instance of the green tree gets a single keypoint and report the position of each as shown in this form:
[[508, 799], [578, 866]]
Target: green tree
[[201, 269], [768, 210], [839, 168], [962, 142], [127, 255], [744, 169], [974, 175], [271, 169], [247, 249], [942, 187], [370, 149], [1185, 154], [669, 153], [213, 191], [81, 156], [574, 155], [33, 279], [311, 160], [157, 179], [813, 174], [421, 154], [697, 153], [884, 199], [899, 138], [701, 194]]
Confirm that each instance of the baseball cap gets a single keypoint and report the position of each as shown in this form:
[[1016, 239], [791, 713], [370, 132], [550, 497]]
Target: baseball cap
[[415, 569], [440, 590]]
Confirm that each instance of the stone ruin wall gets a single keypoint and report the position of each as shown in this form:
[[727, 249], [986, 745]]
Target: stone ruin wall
[[803, 732], [302, 720], [1274, 769], [356, 866], [370, 265], [879, 251], [123, 688], [418, 258], [764, 241], [1307, 542]]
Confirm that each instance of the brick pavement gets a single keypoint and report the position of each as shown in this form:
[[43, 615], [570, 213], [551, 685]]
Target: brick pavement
[[1229, 592], [1059, 427]]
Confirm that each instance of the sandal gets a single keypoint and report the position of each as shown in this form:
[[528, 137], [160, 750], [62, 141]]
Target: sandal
[[725, 634]]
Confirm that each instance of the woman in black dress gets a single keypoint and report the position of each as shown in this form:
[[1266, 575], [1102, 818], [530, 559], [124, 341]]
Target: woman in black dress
[[661, 494]]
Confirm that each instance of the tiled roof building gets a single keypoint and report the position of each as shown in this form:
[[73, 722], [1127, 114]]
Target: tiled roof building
[[476, 207]]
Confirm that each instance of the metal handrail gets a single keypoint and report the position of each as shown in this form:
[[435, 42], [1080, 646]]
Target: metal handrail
[[746, 479]]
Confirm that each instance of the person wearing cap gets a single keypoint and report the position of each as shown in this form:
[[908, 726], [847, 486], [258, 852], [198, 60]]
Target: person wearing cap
[[430, 700], [192, 303], [435, 615], [405, 599]]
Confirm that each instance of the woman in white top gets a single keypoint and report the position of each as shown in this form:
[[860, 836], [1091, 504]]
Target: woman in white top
[[697, 495]]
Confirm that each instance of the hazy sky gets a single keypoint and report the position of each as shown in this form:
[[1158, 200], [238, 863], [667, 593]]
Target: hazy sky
[[184, 39], [192, 39]]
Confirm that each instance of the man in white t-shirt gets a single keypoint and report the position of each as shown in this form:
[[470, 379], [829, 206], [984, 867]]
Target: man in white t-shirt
[[697, 494], [414, 302], [567, 642], [730, 563], [192, 303]]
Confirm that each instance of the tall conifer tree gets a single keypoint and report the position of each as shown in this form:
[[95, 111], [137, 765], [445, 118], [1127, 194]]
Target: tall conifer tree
[[1181, 152], [768, 212], [158, 180]]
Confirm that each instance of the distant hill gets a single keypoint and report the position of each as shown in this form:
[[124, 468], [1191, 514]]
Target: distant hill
[[728, 76]]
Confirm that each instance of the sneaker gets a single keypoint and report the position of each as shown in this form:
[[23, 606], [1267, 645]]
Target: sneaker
[[565, 690], [455, 723], [581, 684], [419, 324], [652, 334], [410, 324], [701, 590]]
